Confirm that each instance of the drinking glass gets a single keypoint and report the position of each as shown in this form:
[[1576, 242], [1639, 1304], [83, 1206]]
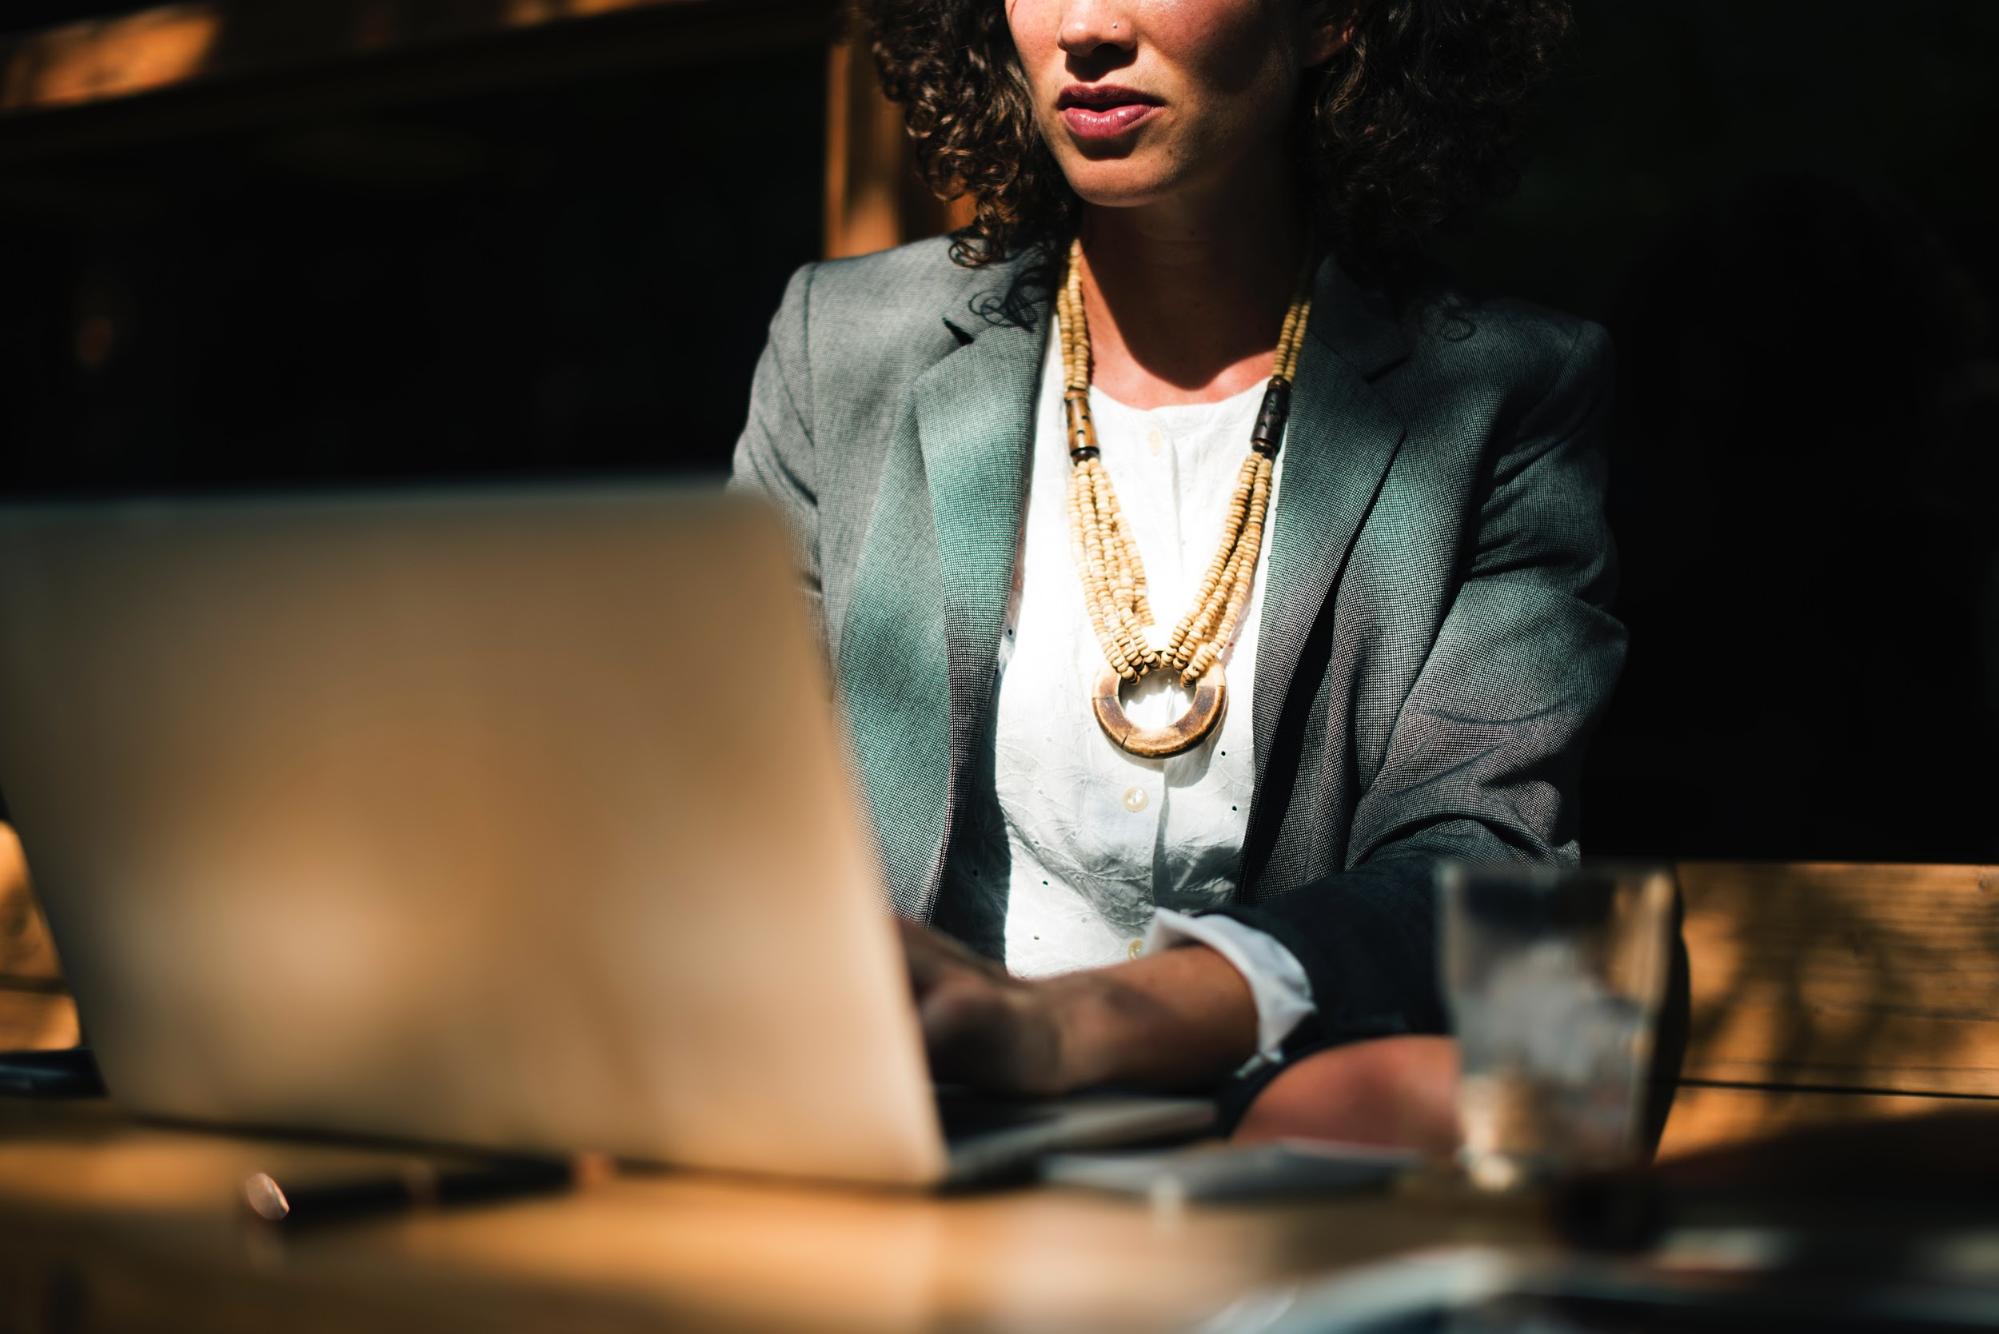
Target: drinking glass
[[1554, 976]]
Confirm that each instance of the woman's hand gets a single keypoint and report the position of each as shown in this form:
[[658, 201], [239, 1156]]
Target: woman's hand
[[981, 1025], [1181, 1018]]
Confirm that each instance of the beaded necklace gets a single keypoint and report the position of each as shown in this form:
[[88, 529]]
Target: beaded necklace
[[1113, 576]]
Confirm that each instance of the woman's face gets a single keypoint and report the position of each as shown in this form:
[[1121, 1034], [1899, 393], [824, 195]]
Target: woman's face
[[1143, 101]]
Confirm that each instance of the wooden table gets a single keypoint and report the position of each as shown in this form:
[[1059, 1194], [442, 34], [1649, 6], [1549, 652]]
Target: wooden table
[[110, 1224]]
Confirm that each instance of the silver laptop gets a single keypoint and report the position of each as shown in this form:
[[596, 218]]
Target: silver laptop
[[516, 820]]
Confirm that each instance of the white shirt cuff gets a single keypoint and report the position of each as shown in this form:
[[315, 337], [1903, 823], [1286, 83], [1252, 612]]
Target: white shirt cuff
[[1277, 981]]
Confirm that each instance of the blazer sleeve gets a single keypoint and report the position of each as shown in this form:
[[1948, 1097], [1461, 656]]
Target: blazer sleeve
[[774, 455], [1483, 759]]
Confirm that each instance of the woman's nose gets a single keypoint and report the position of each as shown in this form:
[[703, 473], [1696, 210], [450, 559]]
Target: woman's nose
[[1089, 26]]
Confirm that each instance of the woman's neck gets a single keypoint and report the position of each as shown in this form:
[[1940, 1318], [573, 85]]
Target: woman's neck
[[1184, 303]]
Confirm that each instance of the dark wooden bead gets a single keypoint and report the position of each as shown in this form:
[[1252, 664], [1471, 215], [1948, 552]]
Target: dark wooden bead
[[1270, 419], [1082, 431]]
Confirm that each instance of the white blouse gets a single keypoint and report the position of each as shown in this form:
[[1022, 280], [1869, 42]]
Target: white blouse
[[1103, 853]]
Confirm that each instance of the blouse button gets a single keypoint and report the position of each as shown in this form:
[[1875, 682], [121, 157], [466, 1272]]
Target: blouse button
[[1133, 950], [1154, 440], [1134, 799]]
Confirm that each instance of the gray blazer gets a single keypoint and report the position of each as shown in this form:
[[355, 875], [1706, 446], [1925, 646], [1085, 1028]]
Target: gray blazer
[[1434, 645]]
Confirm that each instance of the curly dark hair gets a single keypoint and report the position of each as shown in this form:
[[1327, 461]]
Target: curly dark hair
[[1403, 131]]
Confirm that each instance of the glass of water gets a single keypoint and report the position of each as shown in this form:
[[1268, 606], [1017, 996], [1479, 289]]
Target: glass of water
[[1555, 978]]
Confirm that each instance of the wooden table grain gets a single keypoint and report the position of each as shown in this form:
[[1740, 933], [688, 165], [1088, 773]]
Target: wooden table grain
[[1830, 993], [1877, 978], [114, 1224]]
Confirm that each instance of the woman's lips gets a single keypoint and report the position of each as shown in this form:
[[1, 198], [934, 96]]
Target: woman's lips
[[1105, 122]]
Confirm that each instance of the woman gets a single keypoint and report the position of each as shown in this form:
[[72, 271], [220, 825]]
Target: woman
[[1165, 697]]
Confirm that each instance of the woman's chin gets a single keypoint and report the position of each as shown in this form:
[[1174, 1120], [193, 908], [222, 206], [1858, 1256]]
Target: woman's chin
[[1103, 185], [1145, 179]]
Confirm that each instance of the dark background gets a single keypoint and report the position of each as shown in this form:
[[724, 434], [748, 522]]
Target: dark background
[[543, 277], [1784, 212]]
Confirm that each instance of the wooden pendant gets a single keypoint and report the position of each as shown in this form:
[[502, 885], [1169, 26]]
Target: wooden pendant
[[1156, 743]]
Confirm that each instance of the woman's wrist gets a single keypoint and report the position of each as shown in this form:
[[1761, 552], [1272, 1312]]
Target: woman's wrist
[[1178, 1019], [1076, 1009]]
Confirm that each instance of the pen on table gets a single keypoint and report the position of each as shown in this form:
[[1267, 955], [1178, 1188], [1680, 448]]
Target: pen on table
[[307, 1199]]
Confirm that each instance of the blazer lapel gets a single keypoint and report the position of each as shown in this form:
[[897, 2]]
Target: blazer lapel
[[930, 592], [1341, 437]]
